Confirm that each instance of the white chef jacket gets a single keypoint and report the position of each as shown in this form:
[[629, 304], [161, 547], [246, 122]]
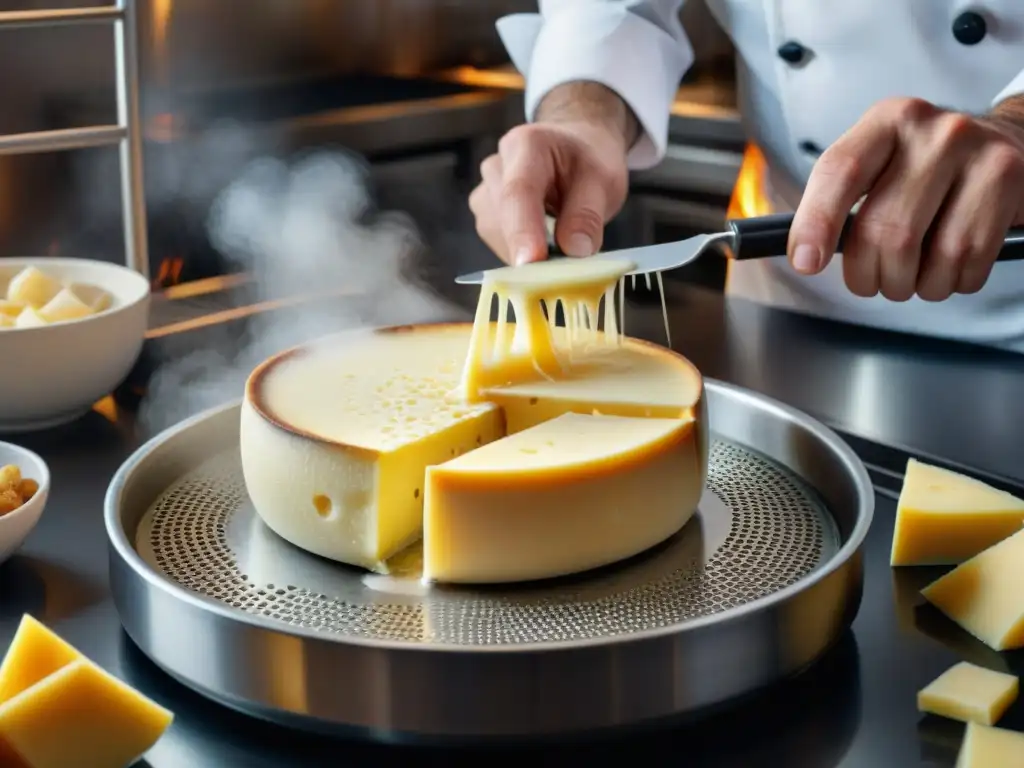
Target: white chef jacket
[[807, 71]]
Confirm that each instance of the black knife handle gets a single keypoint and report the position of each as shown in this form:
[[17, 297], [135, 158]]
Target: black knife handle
[[763, 237]]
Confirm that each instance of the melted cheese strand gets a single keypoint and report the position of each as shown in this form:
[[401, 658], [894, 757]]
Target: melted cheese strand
[[664, 309], [622, 306]]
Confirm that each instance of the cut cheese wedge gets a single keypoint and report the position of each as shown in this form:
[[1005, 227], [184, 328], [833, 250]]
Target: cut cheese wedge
[[572, 494], [987, 747], [59, 709], [943, 517], [969, 693], [505, 353], [984, 594], [336, 437], [32, 286]]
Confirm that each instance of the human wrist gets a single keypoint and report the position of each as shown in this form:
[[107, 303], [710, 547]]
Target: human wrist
[[1008, 115], [592, 104]]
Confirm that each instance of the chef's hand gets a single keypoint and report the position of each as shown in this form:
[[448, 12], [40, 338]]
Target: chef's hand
[[570, 163], [942, 189]]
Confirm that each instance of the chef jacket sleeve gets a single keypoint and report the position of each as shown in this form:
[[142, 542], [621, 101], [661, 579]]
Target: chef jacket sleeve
[[1015, 88], [637, 48]]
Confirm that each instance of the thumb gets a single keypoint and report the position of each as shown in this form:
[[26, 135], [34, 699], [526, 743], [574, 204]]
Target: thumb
[[579, 228]]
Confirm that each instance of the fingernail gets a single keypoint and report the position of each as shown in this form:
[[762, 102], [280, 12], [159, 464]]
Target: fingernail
[[806, 258], [523, 255], [580, 245]]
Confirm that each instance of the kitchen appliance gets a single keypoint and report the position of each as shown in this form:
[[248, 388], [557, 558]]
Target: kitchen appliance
[[762, 583]]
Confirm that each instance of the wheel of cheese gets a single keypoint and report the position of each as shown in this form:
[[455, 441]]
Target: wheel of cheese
[[337, 438]]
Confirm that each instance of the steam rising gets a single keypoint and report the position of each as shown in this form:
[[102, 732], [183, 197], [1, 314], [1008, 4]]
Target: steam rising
[[299, 228]]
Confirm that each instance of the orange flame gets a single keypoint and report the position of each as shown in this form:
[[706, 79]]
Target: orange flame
[[169, 272], [748, 196]]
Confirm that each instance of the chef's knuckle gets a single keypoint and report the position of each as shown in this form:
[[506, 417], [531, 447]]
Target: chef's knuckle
[[491, 166], [523, 138], [890, 235], [844, 168], [1005, 165], [954, 129], [583, 219], [910, 110], [951, 250], [518, 187]]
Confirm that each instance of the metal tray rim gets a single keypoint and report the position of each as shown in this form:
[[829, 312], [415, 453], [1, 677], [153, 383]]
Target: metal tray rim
[[123, 548]]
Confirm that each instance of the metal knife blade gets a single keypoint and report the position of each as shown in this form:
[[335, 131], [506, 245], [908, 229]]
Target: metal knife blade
[[648, 259]]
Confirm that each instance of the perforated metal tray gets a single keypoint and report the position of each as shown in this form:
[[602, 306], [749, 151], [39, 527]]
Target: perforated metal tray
[[755, 587]]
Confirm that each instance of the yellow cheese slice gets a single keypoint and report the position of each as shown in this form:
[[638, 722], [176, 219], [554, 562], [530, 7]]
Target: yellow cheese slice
[[504, 353], [29, 318], [943, 517], [62, 710], [336, 437], [572, 494], [969, 693], [987, 747], [984, 594]]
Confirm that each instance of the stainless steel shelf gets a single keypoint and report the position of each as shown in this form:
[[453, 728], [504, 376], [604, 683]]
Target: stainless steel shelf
[[126, 134]]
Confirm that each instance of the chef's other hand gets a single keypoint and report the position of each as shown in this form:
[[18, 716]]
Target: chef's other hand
[[942, 189], [570, 163]]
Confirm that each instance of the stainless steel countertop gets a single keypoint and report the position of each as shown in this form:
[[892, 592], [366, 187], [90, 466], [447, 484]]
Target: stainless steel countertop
[[854, 709]]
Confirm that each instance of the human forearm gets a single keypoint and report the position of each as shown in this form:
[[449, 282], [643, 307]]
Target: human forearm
[[591, 103]]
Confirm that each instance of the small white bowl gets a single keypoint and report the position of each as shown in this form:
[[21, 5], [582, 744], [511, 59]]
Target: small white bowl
[[54, 373], [17, 525]]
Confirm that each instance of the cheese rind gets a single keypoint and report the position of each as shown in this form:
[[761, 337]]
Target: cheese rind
[[988, 747], [566, 496], [969, 693], [984, 595], [944, 518]]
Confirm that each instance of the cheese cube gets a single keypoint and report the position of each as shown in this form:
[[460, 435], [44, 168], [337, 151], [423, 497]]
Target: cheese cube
[[987, 747], [64, 306], [943, 517], [93, 297], [58, 709], [29, 318], [10, 308], [6, 322], [969, 693], [32, 286], [984, 594]]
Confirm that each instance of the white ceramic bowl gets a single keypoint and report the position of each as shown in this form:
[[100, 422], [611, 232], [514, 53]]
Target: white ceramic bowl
[[54, 373], [15, 526]]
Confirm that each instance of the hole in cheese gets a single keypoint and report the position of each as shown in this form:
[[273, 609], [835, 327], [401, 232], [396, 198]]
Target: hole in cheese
[[322, 504]]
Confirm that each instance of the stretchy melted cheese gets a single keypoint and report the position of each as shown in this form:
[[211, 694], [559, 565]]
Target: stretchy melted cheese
[[574, 493], [58, 709], [987, 747], [336, 437], [528, 349], [985, 596], [943, 517], [969, 693]]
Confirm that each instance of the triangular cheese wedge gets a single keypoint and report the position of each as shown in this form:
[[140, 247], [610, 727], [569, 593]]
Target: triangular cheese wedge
[[81, 716], [987, 747], [943, 517], [59, 709], [35, 653], [985, 594]]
